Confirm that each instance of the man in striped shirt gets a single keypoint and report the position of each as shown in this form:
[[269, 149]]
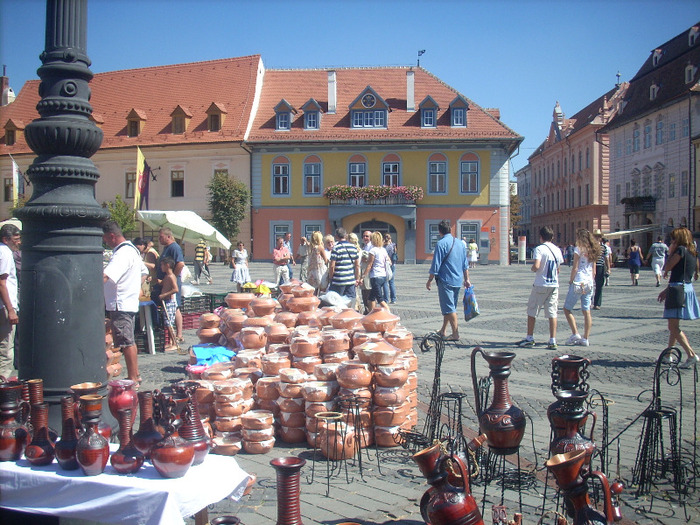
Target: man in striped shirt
[[344, 268]]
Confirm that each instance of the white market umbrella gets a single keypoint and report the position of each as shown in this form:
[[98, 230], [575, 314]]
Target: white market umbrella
[[186, 226]]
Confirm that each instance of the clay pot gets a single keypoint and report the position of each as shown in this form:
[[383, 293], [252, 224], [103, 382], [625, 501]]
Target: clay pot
[[228, 424], [250, 358], [235, 321], [273, 363], [347, 319], [231, 408], [250, 372], [122, 394], [335, 341], [65, 447], [209, 320], [292, 419], [314, 407], [289, 286], [301, 346], [276, 333], [312, 439], [326, 313], [283, 299], [14, 414], [389, 396], [127, 459], [244, 382], [258, 434], [257, 419], [288, 319], [218, 371], [391, 375], [173, 456], [337, 441], [379, 353], [267, 404], [239, 300], [353, 374], [259, 321], [362, 419], [253, 336], [390, 416], [309, 318], [320, 390], [292, 434], [209, 335], [92, 449], [279, 349], [380, 320], [303, 290], [303, 304], [231, 388], [293, 375], [258, 447], [227, 445], [362, 393], [411, 361], [40, 450], [263, 305], [307, 364], [336, 358], [266, 388], [363, 336], [412, 381], [326, 371], [290, 404], [290, 389], [150, 432], [386, 436], [400, 338]]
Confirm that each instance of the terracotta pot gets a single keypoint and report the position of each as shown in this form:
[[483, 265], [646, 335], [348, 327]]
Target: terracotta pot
[[230, 408], [227, 445], [289, 286], [209, 320], [326, 313], [347, 319], [228, 424], [391, 375], [288, 319], [239, 300], [290, 404], [320, 390], [92, 449], [386, 436], [209, 335], [412, 381], [263, 305], [266, 388], [258, 447], [218, 371], [361, 419], [411, 420], [353, 374], [335, 341], [293, 375], [284, 299], [301, 346], [309, 318], [290, 390], [65, 447], [276, 333], [363, 393], [303, 290], [127, 459], [122, 394], [307, 364], [292, 434], [14, 414], [40, 451], [250, 358], [314, 407], [312, 439], [279, 349], [337, 441], [411, 361], [173, 456], [302, 304], [376, 353], [235, 321], [232, 388], [259, 434], [400, 338], [363, 336], [326, 371], [390, 416], [253, 337], [273, 363], [149, 432], [292, 419], [258, 321], [257, 419], [268, 404], [250, 373], [380, 320], [337, 358]]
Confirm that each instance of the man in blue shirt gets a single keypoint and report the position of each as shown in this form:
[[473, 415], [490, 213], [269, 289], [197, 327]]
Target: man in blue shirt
[[450, 269], [171, 249]]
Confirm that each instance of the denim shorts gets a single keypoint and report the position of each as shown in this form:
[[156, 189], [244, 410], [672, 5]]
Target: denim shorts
[[377, 291], [449, 298], [572, 297]]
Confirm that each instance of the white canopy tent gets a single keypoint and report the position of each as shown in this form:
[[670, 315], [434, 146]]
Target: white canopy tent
[[622, 233], [186, 226]]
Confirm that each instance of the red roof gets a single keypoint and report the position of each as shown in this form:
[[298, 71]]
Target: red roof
[[154, 93], [298, 86]]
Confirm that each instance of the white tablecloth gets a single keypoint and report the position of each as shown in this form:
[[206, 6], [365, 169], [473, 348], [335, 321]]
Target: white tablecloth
[[144, 498]]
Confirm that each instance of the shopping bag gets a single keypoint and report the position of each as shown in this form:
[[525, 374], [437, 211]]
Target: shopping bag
[[471, 307]]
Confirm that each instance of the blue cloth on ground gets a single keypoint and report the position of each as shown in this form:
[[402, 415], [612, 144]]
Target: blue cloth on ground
[[209, 353]]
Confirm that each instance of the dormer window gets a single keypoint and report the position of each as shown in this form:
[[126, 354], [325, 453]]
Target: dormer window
[[135, 122], [180, 120], [689, 73], [312, 114], [369, 110], [11, 129], [283, 119], [458, 112], [216, 114], [656, 57], [10, 137], [653, 91], [428, 112]]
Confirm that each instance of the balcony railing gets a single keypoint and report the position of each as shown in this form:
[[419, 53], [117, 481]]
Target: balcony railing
[[381, 201], [344, 195], [639, 204]]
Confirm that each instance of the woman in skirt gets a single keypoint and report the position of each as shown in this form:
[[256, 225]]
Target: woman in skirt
[[239, 263], [682, 263]]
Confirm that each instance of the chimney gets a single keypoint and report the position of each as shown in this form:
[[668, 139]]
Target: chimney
[[332, 93], [410, 92], [4, 87]]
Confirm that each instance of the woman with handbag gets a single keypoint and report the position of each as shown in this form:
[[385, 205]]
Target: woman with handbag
[[680, 301], [378, 267], [581, 285]]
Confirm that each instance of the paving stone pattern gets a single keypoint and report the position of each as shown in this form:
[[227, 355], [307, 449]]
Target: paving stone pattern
[[627, 336]]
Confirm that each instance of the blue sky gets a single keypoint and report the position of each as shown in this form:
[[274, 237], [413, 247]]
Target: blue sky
[[519, 56]]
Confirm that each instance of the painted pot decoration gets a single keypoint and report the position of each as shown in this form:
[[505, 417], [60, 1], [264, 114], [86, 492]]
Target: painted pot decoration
[[380, 320], [353, 374], [347, 319], [239, 300], [303, 304], [14, 414]]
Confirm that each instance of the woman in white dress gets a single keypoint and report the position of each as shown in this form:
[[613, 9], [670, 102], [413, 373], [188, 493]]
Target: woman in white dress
[[318, 261], [239, 263], [472, 253]]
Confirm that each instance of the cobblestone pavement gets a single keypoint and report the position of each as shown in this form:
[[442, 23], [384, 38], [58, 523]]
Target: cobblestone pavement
[[627, 336]]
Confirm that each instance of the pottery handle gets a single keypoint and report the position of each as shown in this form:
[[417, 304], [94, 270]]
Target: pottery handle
[[477, 400], [595, 419], [462, 470], [607, 494]]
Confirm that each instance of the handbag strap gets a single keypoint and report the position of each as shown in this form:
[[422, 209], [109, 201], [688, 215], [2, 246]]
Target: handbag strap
[[447, 256]]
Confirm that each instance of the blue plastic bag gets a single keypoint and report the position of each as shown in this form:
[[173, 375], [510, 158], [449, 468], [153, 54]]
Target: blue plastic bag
[[208, 354], [471, 307]]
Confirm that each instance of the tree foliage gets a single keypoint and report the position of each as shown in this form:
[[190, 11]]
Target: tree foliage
[[121, 213], [229, 202], [515, 211]]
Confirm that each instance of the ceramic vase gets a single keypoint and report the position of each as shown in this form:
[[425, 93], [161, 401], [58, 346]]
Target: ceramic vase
[[41, 450], [92, 449], [172, 456], [288, 470], [66, 446], [14, 414], [149, 433], [122, 395], [127, 459]]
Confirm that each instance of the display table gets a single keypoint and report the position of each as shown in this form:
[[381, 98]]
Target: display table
[[146, 320], [143, 498]]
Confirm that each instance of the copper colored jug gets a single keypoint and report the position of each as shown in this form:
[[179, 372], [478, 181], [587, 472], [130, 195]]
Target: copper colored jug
[[14, 414]]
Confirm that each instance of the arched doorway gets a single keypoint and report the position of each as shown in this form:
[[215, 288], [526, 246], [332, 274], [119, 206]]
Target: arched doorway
[[375, 226]]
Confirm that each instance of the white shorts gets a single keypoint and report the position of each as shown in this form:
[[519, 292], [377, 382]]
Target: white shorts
[[543, 298], [657, 264]]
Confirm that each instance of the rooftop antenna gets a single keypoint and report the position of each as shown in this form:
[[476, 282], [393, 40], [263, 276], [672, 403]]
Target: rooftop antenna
[[618, 79], [420, 53]]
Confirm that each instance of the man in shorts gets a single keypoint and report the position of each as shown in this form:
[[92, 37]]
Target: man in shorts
[[545, 290], [122, 279], [658, 253]]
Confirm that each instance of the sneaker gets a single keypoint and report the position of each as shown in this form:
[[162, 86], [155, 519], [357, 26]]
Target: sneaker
[[552, 346], [688, 363], [194, 282], [526, 343], [573, 338], [392, 302], [582, 342]]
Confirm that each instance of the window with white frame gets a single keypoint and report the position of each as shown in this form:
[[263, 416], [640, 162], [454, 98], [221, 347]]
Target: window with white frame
[[684, 183], [469, 176], [469, 230], [369, 118], [278, 229], [433, 236], [357, 174], [458, 117], [685, 128], [428, 117], [280, 179], [177, 183], [437, 177], [647, 134], [129, 190], [659, 132], [312, 178], [283, 121], [653, 91], [672, 131], [308, 228], [689, 73], [311, 120], [391, 173]]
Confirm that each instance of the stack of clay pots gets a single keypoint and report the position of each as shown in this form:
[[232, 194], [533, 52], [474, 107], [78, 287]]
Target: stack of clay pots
[[209, 331], [291, 419], [233, 397], [319, 396], [258, 431]]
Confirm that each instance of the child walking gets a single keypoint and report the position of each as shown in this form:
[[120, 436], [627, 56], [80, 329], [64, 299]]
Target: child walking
[[169, 297]]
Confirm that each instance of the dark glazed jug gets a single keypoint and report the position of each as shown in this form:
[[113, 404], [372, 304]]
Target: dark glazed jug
[[92, 450], [149, 433], [14, 413], [503, 423], [65, 448], [127, 459], [172, 456], [41, 450]]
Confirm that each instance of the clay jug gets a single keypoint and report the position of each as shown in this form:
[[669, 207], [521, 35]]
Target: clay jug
[[444, 504], [122, 395], [41, 450], [127, 459], [34, 393], [380, 320], [503, 423], [567, 418], [192, 429], [172, 456], [149, 433], [65, 447], [570, 372], [288, 471], [14, 414], [83, 389], [92, 450]]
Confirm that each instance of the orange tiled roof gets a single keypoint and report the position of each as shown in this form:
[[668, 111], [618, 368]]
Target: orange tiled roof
[[155, 92], [298, 86]]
